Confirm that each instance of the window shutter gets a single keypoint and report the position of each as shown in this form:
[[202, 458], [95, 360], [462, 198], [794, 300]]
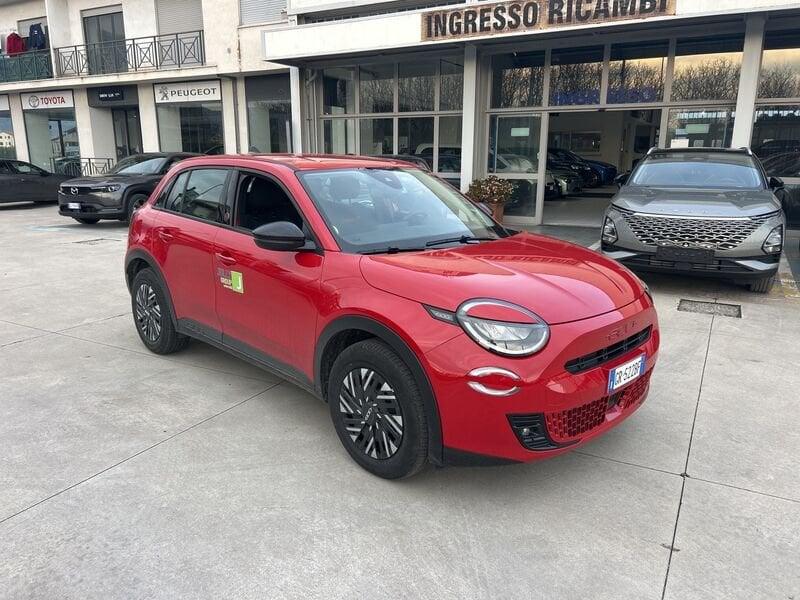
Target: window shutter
[[179, 16], [262, 11]]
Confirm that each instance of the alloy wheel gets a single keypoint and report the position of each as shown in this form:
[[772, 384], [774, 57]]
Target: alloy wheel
[[148, 313], [371, 413]]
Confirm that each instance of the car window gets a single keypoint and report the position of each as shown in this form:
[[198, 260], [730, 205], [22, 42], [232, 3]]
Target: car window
[[783, 165], [141, 164], [25, 168], [171, 162], [698, 170], [173, 199], [260, 200], [204, 196], [5, 169]]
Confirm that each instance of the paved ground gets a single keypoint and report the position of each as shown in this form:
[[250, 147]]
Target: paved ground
[[127, 475]]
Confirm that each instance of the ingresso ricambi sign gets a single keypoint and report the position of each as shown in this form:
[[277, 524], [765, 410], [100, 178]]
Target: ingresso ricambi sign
[[526, 15], [187, 91]]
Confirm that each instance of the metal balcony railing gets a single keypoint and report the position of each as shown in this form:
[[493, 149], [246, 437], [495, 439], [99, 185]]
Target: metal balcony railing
[[139, 54], [76, 166], [27, 66]]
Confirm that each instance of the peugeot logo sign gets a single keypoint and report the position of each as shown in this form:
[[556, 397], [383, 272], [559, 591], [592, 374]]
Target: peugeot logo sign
[[73, 191]]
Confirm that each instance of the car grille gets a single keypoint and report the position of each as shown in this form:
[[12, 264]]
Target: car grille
[[590, 361], [550, 431], [82, 191], [644, 261], [687, 232]]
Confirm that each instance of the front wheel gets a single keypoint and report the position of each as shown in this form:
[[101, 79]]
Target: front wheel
[[152, 315], [762, 286], [136, 201], [378, 411], [86, 221]]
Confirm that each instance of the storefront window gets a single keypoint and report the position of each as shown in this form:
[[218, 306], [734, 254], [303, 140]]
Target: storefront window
[[776, 139], [636, 72], [707, 69], [700, 127], [8, 148], [377, 136], [575, 76], [780, 65], [450, 146], [376, 84], [517, 80], [416, 86], [451, 92], [415, 136], [338, 91], [269, 113], [339, 136], [53, 140], [195, 127]]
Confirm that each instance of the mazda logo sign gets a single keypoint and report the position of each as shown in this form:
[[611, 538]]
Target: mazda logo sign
[[73, 191]]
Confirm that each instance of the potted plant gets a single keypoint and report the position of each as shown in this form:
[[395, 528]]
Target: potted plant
[[493, 192]]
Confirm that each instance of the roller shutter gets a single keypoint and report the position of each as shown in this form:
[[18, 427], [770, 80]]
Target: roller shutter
[[262, 11], [179, 16]]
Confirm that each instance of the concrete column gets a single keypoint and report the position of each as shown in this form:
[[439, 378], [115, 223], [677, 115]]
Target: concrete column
[[18, 123], [83, 121], [229, 116], [748, 84], [244, 125], [147, 118], [296, 93], [469, 122]]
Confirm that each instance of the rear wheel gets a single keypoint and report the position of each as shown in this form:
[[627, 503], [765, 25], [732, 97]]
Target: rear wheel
[[762, 286], [134, 202], [152, 315], [86, 221], [377, 410]]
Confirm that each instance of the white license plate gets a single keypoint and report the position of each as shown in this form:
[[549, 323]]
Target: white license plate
[[626, 373], [74, 205]]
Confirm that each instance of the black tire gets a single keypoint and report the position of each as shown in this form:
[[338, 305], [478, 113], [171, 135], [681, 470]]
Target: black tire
[[134, 202], [152, 315], [762, 286], [86, 221], [395, 421]]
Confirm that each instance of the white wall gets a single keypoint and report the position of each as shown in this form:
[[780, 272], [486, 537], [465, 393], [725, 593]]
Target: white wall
[[147, 118], [18, 123], [221, 25]]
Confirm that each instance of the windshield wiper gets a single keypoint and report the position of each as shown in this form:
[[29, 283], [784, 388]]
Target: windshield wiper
[[392, 250], [464, 239]]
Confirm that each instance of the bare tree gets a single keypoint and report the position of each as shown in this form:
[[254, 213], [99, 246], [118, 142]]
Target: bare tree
[[713, 79], [779, 81]]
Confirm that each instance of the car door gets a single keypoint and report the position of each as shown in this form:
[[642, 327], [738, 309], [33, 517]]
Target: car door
[[35, 184], [190, 214], [266, 299], [9, 191]]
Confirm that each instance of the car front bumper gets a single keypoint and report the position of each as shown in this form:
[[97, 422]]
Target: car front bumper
[[91, 206], [560, 409]]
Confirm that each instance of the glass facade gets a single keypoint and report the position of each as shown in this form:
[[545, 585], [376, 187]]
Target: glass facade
[[636, 72], [338, 91], [517, 80], [269, 113], [376, 88], [575, 76], [192, 127], [700, 127], [707, 69], [53, 140], [8, 146], [416, 86], [780, 65]]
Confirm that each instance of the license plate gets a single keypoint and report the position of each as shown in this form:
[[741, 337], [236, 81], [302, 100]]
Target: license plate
[[690, 255], [74, 205], [626, 373]]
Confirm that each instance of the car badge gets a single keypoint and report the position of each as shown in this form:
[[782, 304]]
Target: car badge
[[73, 191]]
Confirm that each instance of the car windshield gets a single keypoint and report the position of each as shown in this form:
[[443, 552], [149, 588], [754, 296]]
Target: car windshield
[[372, 210], [139, 165], [698, 170]]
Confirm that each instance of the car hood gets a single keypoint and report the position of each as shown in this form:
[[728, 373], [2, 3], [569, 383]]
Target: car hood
[[560, 282], [600, 163], [697, 203], [101, 180]]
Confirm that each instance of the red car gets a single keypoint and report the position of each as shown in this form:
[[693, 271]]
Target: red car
[[433, 333]]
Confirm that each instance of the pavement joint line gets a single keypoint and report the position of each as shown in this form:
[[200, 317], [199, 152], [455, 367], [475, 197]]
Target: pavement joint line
[[139, 453], [71, 327], [744, 489], [28, 339], [629, 464], [685, 475]]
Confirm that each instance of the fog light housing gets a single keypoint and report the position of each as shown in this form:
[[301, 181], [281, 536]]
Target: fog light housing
[[609, 231], [774, 242]]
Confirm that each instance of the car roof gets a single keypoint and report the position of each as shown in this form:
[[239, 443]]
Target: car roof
[[700, 149], [300, 162]]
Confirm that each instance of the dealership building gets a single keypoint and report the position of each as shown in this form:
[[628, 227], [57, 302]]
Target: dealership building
[[473, 89]]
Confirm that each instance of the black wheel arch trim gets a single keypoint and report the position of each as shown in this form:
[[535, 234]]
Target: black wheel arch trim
[[129, 194], [153, 265], [398, 345]]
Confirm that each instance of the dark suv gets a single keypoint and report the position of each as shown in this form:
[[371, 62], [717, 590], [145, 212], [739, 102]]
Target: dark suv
[[116, 194]]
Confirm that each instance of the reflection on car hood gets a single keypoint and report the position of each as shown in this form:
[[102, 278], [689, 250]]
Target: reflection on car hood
[[560, 282], [101, 180], [697, 203]]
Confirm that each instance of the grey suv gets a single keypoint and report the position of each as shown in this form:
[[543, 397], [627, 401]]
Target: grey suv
[[699, 211]]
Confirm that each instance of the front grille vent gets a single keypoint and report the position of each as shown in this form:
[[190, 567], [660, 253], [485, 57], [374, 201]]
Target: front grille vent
[[590, 361], [687, 232]]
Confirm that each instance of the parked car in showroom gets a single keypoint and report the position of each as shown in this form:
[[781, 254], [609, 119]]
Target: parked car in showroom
[[701, 211], [565, 160], [786, 166], [605, 172], [116, 194], [21, 181], [433, 333]]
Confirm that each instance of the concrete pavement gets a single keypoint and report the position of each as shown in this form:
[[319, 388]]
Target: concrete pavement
[[128, 475]]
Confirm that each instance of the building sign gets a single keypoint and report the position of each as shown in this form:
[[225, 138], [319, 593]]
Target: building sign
[[188, 91], [4, 103], [47, 100], [528, 15], [111, 94]]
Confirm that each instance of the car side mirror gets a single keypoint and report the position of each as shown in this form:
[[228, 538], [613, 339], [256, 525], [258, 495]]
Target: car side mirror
[[622, 179], [776, 183], [281, 236]]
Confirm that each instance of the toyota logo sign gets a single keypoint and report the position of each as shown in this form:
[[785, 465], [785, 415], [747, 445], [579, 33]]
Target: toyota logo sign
[[34, 101]]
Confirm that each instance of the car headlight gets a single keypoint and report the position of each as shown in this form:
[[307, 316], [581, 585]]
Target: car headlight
[[109, 189], [609, 231], [501, 327], [774, 241]]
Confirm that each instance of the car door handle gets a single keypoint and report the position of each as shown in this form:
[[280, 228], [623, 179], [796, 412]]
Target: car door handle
[[225, 259], [165, 236]]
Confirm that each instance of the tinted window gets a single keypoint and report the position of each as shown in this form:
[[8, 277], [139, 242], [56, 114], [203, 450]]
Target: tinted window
[[260, 201], [26, 169], [698, 170], [5, 169], [139, 165], [783, 165], [204, 196], [172, 200]]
